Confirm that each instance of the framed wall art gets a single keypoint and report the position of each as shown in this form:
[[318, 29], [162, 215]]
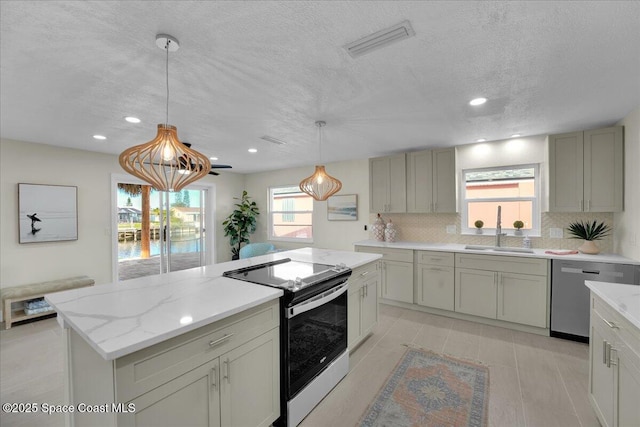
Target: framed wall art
[[47, 213], [342, 208]]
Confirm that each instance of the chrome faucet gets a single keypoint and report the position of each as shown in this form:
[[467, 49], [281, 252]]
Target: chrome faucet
[[499, 232]]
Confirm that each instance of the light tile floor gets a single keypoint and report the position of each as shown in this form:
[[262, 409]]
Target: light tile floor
[[534, 380]]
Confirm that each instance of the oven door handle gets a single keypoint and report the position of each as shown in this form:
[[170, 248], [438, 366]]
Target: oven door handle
[[317, 301]]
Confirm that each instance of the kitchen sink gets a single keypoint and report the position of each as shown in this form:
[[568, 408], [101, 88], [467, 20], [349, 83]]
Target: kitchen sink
[[498, 249]]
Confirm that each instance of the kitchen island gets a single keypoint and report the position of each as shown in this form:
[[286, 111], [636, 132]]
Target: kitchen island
[[614, 353], [184, 347]]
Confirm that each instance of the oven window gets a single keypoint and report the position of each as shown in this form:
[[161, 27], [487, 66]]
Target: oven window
[[316, 338]]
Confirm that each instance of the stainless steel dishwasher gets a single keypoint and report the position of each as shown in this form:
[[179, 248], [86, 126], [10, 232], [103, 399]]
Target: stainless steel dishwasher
[[570, 296]]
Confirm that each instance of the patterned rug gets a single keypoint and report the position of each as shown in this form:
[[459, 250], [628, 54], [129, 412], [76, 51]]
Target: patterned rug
[[430, 389]]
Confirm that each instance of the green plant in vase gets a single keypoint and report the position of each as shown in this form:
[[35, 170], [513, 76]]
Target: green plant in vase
[[588, 231], [241, 223], [479, 224], [518, 226]]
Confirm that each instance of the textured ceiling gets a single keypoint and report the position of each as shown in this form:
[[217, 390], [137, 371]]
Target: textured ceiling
[[72, 69]]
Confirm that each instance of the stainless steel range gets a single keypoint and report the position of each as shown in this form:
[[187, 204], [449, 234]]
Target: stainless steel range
[[313, 330]]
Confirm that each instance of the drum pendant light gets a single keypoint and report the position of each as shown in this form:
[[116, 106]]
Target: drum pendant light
[[320, 185], [165, 162]]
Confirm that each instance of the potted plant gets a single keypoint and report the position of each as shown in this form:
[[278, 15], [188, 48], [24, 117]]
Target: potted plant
[[518, 225], [588, 232], [479, 224], [241, 223]]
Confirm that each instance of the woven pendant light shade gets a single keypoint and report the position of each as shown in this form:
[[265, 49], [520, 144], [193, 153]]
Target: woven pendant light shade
[[165, 162], [320, 185]]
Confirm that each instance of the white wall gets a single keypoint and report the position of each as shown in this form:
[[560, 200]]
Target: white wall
[[326, 234], [627, 223], [91, 254]]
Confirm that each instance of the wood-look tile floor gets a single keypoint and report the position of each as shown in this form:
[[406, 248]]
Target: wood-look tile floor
[[535, 381]]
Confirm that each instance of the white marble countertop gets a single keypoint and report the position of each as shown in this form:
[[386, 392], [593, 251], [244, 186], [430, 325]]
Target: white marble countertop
[[625, 299], [537, 253], [120, 318]]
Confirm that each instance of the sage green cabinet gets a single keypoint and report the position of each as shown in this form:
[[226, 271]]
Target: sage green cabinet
[[586, 171], [476, 292], [431, 181], [614, 366], [388, 184], [223, 374], [435, 279], [363, 303], [513, 289], [397, 272], [397, 281]]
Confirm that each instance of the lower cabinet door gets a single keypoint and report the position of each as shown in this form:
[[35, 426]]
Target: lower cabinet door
[[354, 301], [191, 399], [476, 292], [435, 286], [398, 281], [522, 298], [369, 307], [628, 387], [601, 383], [250, 383]]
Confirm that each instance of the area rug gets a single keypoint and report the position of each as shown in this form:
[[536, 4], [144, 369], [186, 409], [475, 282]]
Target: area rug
[[427, 389]]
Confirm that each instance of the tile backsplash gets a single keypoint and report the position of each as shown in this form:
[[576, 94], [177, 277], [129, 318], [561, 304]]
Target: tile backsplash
[[433, 228]]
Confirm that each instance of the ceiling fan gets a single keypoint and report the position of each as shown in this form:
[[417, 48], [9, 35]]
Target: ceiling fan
[[213, 166]]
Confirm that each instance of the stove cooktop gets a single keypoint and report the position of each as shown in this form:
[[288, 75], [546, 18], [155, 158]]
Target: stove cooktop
[[289, 275]]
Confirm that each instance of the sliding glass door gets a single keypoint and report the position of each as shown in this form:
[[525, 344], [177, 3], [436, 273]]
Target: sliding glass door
[[159, 232]]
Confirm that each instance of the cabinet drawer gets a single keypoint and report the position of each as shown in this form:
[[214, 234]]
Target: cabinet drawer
[[389, 254], [504, 263], [360, 274], [444, 259], [146, 369], [625, 331]]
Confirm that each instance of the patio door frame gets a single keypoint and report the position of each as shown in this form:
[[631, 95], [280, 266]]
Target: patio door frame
[[209, 220]]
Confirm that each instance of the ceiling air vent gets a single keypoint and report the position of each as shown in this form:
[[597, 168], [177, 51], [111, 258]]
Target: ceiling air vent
[[380, 39], [273, 140]]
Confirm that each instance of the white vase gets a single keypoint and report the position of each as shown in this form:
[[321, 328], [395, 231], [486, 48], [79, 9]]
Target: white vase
[[589, 247], [478, 230], [390, 232], [378, 229]]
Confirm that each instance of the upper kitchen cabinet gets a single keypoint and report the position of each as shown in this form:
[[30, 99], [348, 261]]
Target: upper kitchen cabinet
[[388, 184], [586, 171], [431, 181]]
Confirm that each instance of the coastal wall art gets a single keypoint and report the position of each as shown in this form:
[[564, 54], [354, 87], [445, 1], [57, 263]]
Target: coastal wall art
[[342, 208], [47, 213]]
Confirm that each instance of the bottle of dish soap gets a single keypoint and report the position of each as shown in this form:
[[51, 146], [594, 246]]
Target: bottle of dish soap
[[526, 242]]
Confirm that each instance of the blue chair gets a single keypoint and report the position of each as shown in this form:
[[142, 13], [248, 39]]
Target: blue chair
[[255, 249]]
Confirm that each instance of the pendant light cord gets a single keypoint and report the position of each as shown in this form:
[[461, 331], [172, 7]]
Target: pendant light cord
[[320, 143], [320, 124], [166, 122]]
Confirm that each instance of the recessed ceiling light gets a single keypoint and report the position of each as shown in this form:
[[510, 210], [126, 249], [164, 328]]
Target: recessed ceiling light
[[253, 150], [100, 137], [213, 158], [477, 101], [481, 140], [515, 135], [131, 119]]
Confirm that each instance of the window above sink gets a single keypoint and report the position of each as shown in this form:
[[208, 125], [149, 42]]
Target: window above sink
[[515, 188]]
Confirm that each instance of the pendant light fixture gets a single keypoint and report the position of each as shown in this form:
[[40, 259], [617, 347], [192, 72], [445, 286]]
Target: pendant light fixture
[[320, 185], [165, 162]]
